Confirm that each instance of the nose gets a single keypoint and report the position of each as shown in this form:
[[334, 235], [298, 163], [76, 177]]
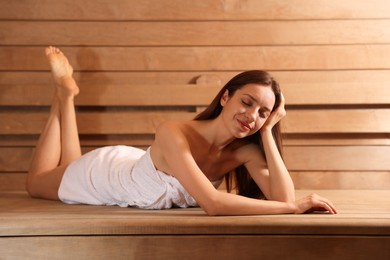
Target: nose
[[251, 115]]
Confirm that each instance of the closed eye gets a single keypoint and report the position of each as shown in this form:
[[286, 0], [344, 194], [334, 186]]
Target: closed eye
[[246, 103], [264, 114]]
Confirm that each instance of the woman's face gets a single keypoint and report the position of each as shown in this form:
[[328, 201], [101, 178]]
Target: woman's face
[[246, 111]]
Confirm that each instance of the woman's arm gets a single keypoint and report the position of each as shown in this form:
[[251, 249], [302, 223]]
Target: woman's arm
[[177, 154], [281, 186], [270, 173]]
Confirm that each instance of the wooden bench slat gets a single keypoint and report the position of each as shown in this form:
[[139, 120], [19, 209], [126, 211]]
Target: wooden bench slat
[[194, 95], [114, 95], [337, 93], [349, 139], [337, 121], [194, 10], [363, 180], [297, 158], [337, 158], [334, 180], [321, 57], [111, 122], [92, 122], [195, 34], [128, 78]]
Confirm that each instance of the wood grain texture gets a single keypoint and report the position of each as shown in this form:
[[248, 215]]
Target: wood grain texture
[[213, 33], [328, 56], [303, 180], [129, 122], [196, 247], [294, 78], [189, 10], [361, 212], [321, 57], [98, 94], [44, 229], [297, 158]]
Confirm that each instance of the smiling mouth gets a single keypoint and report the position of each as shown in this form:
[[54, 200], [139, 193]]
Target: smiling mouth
[[244, 125]]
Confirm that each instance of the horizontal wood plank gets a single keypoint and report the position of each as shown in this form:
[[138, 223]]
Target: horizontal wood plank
[[128, 122], [337, 158], [92, 122], [297, 158], [307, 180], [337, 121], [195, 33], [194, 10], [113, 95], [330, 77], [196, 247], [12, 181], [334, 180], [95, 140], [348, 139], [93, 94], [361, 213], [322, 57]]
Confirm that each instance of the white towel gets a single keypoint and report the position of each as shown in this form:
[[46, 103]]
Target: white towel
[[124, 176]]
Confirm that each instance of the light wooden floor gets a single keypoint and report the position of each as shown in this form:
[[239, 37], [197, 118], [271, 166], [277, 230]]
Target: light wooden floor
[[40, 229]]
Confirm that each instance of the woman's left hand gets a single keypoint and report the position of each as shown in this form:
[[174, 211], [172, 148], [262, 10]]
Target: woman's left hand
[[275, 116]]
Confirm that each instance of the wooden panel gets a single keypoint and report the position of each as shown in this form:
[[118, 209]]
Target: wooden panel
[[86, 140], [333, 180], [336, 139], [321, 57], [12, 181], [195, 33], [123, 122], [146, 139], [193, 10], [196, 247], [293, 78], [114, 95], [92, 122], [297, 158], [94, 94], [361, 213], [337, 158], [337, 121], [341, 180], [14, 159], [42, 228], [338, 93]]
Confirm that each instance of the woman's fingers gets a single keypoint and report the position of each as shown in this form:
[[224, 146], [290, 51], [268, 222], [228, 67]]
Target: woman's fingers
[[315, 202]]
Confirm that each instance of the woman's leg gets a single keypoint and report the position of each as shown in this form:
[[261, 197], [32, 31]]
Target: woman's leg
[[59, 143]]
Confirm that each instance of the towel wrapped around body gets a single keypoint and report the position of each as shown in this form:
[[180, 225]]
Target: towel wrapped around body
[[124, 176]]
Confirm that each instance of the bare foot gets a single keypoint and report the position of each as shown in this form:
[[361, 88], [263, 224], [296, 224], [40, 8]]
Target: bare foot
[[62, 72]]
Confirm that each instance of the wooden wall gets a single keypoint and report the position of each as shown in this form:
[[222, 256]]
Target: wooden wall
[[340, 48]]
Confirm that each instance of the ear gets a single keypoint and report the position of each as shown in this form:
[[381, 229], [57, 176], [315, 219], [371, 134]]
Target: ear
[[224, 98]]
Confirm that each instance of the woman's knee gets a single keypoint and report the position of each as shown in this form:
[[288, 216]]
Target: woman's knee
[[44, 185]]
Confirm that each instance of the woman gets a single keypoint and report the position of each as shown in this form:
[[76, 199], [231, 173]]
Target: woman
[[236, 136]]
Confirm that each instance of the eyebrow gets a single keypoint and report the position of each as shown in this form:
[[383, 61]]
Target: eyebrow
[[255, 100]]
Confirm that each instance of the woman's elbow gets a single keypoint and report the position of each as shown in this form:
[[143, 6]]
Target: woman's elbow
[[212, 207], [211, 210]]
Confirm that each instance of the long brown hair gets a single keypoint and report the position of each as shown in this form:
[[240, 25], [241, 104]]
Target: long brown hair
[[245, 185]]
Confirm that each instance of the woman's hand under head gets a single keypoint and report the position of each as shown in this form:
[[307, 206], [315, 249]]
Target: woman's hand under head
[[275, 116]]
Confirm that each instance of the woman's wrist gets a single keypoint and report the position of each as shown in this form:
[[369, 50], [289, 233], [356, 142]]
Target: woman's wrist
[[292, 207]]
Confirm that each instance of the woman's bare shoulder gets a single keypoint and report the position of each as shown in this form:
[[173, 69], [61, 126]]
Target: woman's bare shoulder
[[247, 152], [171, 132]]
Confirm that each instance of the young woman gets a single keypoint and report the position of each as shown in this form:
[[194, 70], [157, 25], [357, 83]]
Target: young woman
[[236, 137]]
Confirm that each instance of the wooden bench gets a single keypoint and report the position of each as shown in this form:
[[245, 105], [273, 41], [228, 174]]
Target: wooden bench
[[336, 137]]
